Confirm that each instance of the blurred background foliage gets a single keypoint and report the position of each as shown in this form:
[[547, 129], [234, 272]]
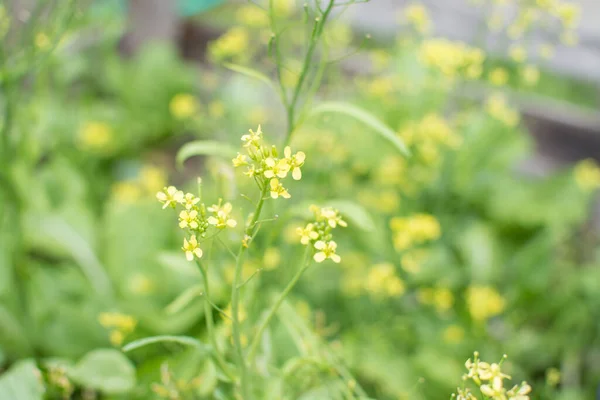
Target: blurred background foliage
[[450, 250]]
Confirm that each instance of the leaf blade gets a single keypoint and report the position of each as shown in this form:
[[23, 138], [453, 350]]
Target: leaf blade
[[204, 148], [251, 73], [366, 118], [185, 340]]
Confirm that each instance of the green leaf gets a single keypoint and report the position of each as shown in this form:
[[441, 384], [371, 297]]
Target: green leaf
[[185, 340], [184, 299], [366, 118], [60, 233], [204, 148], [356, 214], [106, 370], [252, 73], [22, 382]]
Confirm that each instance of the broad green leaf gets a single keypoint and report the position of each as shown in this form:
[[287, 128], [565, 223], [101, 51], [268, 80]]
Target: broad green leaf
[[60, 233], [366, 118], [22, 382], [204, 148], [184, 299], [106, 370], [252, 73], [185, 340]]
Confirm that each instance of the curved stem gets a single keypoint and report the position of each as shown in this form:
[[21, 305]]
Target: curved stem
[[210, 324], [235, 299], [265, 323]]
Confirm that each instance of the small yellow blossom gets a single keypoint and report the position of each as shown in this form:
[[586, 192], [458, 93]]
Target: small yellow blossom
[[253, 139], [152, 178], [484, 302], [277, 189], [553, 377], [568, 13], [232, 43], [382, 281], [307, 234], [518, 53], [252, 15], [295, 162], [189, 201], [169, 196], [530, 75], [496, 105], [126, 192], [498, 77], [120, 325], [587, 175], [191, 249], [271, 258], [276, 168], [96, 136], [116, 337], [418, 17], [443, 299], [42, 41], [222, 218], [333, 217], [453, 334], [326, 250], [189, 219], [413, 260], [183, 106]]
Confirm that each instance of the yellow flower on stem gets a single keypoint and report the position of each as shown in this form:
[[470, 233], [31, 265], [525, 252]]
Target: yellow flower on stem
[[253, 139], [333, 217], [222, 218], [295, 162], [188, 219], [191, 249], [327, 250], [189, 201], [183, 106], [278, 190], [279, 168], [170, 196], [307, 234], [240, 160]]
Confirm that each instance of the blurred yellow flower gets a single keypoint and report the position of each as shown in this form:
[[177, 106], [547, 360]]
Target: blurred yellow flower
[[216, 109], [183, 106], [531, 75], [42, 41], [587, 175], [443, 299], [497, 107], [252, 15], [382, 281], [498, 77], [553, 377], [484, 302], [152, 178], [232, 43], [546, 51], [141, 284], [418, 16], [120, 325], [568, 13], [415, 229], [271, 258], [413, 260], [126, 192], [518, 53], [326, 250], [95, 136], [453, 334]]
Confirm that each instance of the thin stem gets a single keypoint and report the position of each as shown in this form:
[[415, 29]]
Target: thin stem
[[210, 324], [265, 323], [235, 291]]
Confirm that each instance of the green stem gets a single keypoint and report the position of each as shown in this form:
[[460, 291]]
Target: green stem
[[235, 291], [314, 40], [275, 307], [210, 324]]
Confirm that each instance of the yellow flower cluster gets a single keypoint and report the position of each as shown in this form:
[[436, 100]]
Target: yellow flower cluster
[[414, 230], [183, 106], [412, 260], [232, 43], [490, 380], [262, 163], [120, 325], [194, 219], [149, 180], [429, 136], [252, 16], [587, 175], [418, 16], [440, 297], [382, 281], [484, 302], [319, 233], [95, 136], [452, 58], [496, 106]]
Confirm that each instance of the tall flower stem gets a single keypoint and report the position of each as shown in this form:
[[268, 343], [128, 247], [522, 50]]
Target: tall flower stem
[[265, 323], [235, 299], [210, 324]]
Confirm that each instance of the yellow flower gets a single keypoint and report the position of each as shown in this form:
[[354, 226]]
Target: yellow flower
[[383, 282], [222, 218], [189, 219], [332, 217], [123, 322], [191, 248], [183, 106], [272, 258], [252, 15], [152, 178], [412, 260], [531, 75], [587, 175], [233, 42], [253, 139], [116, 337], [169, 196], [278, 190], [568, 13], [418, 16], [484, 302], [497, 107], [126, 192], [518, 53], [498, 77], [42, 41], [453, 334], [295, 162], [553, 377], [216, 109], [327, 250], [274, 167], [240, 160], [443, 299], [189, 201], [95, 136], [307, 234]]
